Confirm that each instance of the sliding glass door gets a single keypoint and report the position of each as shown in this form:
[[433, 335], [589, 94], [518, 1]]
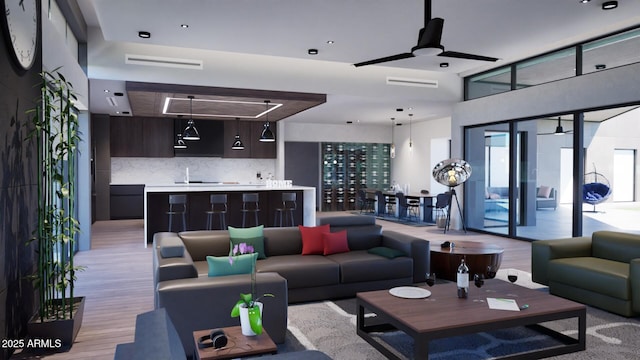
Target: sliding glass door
[[525, 181]]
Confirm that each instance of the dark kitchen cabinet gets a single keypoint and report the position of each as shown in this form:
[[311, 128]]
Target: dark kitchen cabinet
[[125, 136], [262, 150], [141, 137], [211, 143], [127, 202], [243, 128], [250, 132], [157, 137]]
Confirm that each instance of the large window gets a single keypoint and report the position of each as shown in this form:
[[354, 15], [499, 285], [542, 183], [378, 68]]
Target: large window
[[533, 196], [493, 82], [546, 68], [603, 53], [611, 51]]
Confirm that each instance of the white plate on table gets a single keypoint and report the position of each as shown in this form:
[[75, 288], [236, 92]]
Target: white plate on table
[[410, 292]]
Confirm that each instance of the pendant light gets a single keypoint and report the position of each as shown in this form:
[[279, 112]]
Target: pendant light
[[190, 132], [410, 141], [180, 144], [267, 134], [237, 143], [392, 149]]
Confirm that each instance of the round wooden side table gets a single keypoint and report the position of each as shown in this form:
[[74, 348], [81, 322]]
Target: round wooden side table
[[478, 256]]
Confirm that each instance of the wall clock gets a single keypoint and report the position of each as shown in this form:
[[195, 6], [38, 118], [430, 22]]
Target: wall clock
[[21, 26]]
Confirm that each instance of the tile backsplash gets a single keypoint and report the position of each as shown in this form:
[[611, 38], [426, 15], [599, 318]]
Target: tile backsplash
[[159, 171]]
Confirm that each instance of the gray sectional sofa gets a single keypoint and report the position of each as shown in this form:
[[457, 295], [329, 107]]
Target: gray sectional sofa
[[601, 270], [195, 301]]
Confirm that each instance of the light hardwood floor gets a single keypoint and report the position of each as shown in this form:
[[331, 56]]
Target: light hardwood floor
[[117, 283]]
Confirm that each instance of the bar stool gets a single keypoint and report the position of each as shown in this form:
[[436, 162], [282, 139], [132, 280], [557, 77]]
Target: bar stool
[[218, 206], [250, 205], [177, 206], [289, 204]]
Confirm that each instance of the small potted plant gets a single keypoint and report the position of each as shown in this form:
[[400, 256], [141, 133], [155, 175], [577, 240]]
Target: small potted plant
[[248, 308]]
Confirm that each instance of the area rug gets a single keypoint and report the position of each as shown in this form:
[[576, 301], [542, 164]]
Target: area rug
[[330, 326]]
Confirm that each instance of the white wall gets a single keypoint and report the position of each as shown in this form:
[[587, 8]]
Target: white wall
[[414, 165], [336, 133], [410, 166]]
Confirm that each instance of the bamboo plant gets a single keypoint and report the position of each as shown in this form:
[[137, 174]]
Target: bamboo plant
[[55, 131]]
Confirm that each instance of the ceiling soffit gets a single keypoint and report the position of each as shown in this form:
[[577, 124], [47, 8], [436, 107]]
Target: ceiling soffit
[[216, 103]]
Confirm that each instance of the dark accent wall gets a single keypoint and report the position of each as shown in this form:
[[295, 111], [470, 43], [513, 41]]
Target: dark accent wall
[[302, 164], [101, 150], [18, 194]]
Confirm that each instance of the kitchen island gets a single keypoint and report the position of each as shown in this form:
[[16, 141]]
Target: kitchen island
[[156, 204]]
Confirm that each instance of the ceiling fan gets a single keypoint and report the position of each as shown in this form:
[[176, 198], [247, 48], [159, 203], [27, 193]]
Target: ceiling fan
[[559, 129], [428, 43]]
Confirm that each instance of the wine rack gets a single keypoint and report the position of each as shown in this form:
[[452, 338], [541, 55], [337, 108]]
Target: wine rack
[[349, 167]]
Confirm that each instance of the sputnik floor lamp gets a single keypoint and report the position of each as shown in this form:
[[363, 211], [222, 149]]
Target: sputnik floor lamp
[[451, 173]]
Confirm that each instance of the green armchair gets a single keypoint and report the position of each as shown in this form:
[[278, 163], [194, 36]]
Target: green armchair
[[602, 270]]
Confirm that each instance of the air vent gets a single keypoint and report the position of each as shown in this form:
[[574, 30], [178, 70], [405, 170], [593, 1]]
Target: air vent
[[412, 82], [112, 101], [163, 61]]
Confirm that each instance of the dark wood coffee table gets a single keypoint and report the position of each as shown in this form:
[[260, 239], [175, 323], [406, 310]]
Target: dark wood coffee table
[[477, 255], [237, 346], [443, 315]]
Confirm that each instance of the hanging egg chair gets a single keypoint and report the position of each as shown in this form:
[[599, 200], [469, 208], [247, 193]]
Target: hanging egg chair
[[596, 188]]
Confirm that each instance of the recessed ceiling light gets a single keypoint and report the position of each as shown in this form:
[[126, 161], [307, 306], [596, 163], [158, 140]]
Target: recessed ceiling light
[[399, 109], [184, 26], [349, 122], [444, 65], [601, 66], [330, 42], [144, 34], [609, 5], [125, 112], [106, 91], [584, 1], [118, 94], [312, 51]]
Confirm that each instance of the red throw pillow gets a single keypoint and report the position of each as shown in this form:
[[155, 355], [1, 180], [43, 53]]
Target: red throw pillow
[[335, 242], [312, 239]]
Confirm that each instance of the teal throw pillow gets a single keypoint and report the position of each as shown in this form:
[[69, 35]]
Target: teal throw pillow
[[245, 233], [386, 252], [220, 265], [256, 242]]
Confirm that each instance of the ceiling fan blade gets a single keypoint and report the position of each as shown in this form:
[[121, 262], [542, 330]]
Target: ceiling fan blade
[[385, 59], [557, 133], [459, 55]]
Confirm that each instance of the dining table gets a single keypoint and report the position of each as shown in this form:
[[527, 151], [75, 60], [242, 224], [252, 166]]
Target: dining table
[[425, 199]]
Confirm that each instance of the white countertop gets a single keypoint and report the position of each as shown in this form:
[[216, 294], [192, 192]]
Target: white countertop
[[197, 187]]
